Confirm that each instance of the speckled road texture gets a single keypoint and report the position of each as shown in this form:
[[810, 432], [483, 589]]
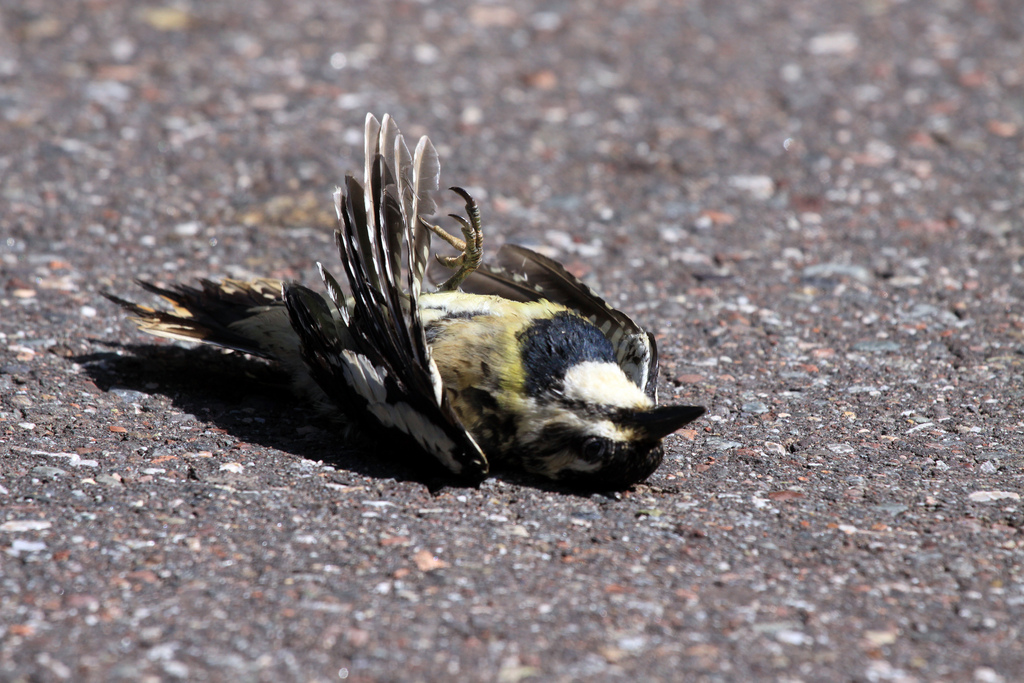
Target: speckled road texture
[[817, 205]]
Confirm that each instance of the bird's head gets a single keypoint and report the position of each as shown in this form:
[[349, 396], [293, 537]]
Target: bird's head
[[595, 429]]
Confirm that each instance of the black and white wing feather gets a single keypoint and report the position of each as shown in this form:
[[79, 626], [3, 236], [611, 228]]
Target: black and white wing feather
[[373, 358], [521, 274]]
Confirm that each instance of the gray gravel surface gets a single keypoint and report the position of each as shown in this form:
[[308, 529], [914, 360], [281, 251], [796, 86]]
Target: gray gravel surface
[[817, 204]]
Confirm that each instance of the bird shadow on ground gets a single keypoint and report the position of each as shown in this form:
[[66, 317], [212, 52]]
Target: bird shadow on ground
[[252, 401]]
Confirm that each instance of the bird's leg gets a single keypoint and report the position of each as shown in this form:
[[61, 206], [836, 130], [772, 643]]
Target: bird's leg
[[471, 244]]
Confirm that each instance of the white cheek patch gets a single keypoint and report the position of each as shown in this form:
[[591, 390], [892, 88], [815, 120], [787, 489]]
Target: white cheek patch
[[601, 383], [607, 429], [578, 465]]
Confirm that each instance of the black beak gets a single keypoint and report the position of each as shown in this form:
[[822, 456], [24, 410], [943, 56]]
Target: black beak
[[661, 421]]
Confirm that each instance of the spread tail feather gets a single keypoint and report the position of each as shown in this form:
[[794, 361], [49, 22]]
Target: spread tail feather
[[243, 315]]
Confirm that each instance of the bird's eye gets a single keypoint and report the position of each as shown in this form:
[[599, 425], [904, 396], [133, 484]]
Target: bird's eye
[[594, 449]]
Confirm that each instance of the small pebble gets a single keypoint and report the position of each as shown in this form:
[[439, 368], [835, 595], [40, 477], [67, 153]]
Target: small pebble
[[757, 186], [992, 496], [833, 271], [47, 472], [835, 43], [189, 229], [25, 525], [791, 637], [876, 346], [23, 546], [892, 508], [129, 395], [1001, 456]]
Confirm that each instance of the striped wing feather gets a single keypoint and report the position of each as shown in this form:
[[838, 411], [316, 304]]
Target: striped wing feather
[[385, 367]]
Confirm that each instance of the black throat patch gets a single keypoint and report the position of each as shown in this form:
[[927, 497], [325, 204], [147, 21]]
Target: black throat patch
[[553, 345]]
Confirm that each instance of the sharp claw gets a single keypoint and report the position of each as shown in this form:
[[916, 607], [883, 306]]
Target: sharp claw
[[450, 262], [471, 247], [465, 195], [468, 232]]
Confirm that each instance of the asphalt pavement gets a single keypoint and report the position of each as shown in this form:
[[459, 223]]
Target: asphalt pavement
[[817, 204]]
